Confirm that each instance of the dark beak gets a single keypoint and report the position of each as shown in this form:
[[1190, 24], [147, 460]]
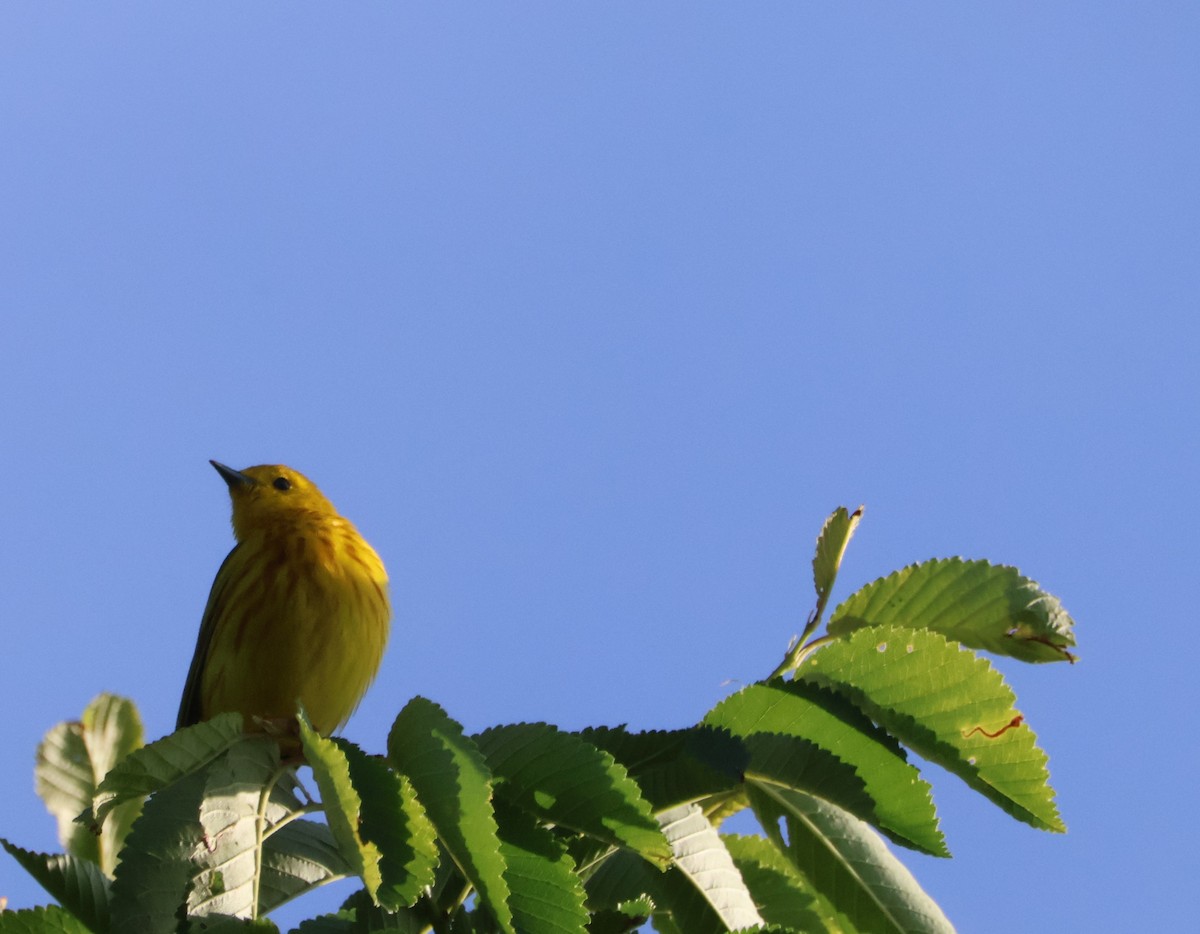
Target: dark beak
[[234, 478]]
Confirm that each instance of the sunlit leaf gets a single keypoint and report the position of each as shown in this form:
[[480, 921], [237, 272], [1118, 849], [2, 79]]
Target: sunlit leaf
[[454, 785], [831, 547], [343, 804], [947, 704], [899, 800], [982, 605], [392, 818]]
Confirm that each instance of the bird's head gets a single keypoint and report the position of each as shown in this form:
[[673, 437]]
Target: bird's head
[[269, 494]]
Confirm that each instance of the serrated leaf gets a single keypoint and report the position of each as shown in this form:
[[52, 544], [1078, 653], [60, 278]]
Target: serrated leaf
[[782, 893], [166, 761], [233, 818], [155, 874], [675, 766], [367, 918], [900, 801], [454, 785], [344, 922], [982, 605], [72, 760], [947, 704], [46, 920], [622, 878], [701, 857], [392, 818], [831, 547], [848, 866], [343, 804], [568, 781], [546, 894], [78, 884]]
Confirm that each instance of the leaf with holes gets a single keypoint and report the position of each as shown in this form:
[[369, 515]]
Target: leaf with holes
[[947, 704], [985, 606]]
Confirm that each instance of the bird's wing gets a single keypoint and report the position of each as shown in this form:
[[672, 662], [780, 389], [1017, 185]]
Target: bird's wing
[[189, 707]]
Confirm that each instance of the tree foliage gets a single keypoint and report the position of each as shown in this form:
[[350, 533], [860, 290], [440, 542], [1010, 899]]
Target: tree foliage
[[531, 829]]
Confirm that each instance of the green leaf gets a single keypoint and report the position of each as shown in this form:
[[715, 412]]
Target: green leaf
[[344, 922], [621, 879], [365, 917], [233, 818], [675, 766], [155, 873], [831, 547], [392, 818], [782, 893], [900, 801], [624, 880], [78, 884], [568, 781], [48, 920], [982, 605], [72, 760], [546, 893], [853, 873], [167, 760], [454, 785], [343, 804], [701, 857], [948, 705]]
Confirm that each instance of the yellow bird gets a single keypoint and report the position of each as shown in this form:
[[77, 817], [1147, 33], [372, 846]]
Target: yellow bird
[[298, 613]]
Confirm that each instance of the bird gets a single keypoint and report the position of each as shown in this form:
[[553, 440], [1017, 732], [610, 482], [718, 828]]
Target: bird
[[298, 614]]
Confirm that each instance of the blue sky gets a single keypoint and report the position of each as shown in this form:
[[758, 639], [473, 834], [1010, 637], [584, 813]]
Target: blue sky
[[588, 316]]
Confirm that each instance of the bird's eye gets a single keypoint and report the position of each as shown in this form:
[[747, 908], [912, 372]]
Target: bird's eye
[[282, 483]]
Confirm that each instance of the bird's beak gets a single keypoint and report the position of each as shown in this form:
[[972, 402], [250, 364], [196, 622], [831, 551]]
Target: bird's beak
[[235, 478]]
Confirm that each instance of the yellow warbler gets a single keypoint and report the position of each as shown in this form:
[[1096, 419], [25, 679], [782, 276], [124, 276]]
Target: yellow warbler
[[298, 613]]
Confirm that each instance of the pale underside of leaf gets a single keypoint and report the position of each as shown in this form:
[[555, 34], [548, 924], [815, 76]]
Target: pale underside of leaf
[[851, 870], [701, 856], [229, 855]]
